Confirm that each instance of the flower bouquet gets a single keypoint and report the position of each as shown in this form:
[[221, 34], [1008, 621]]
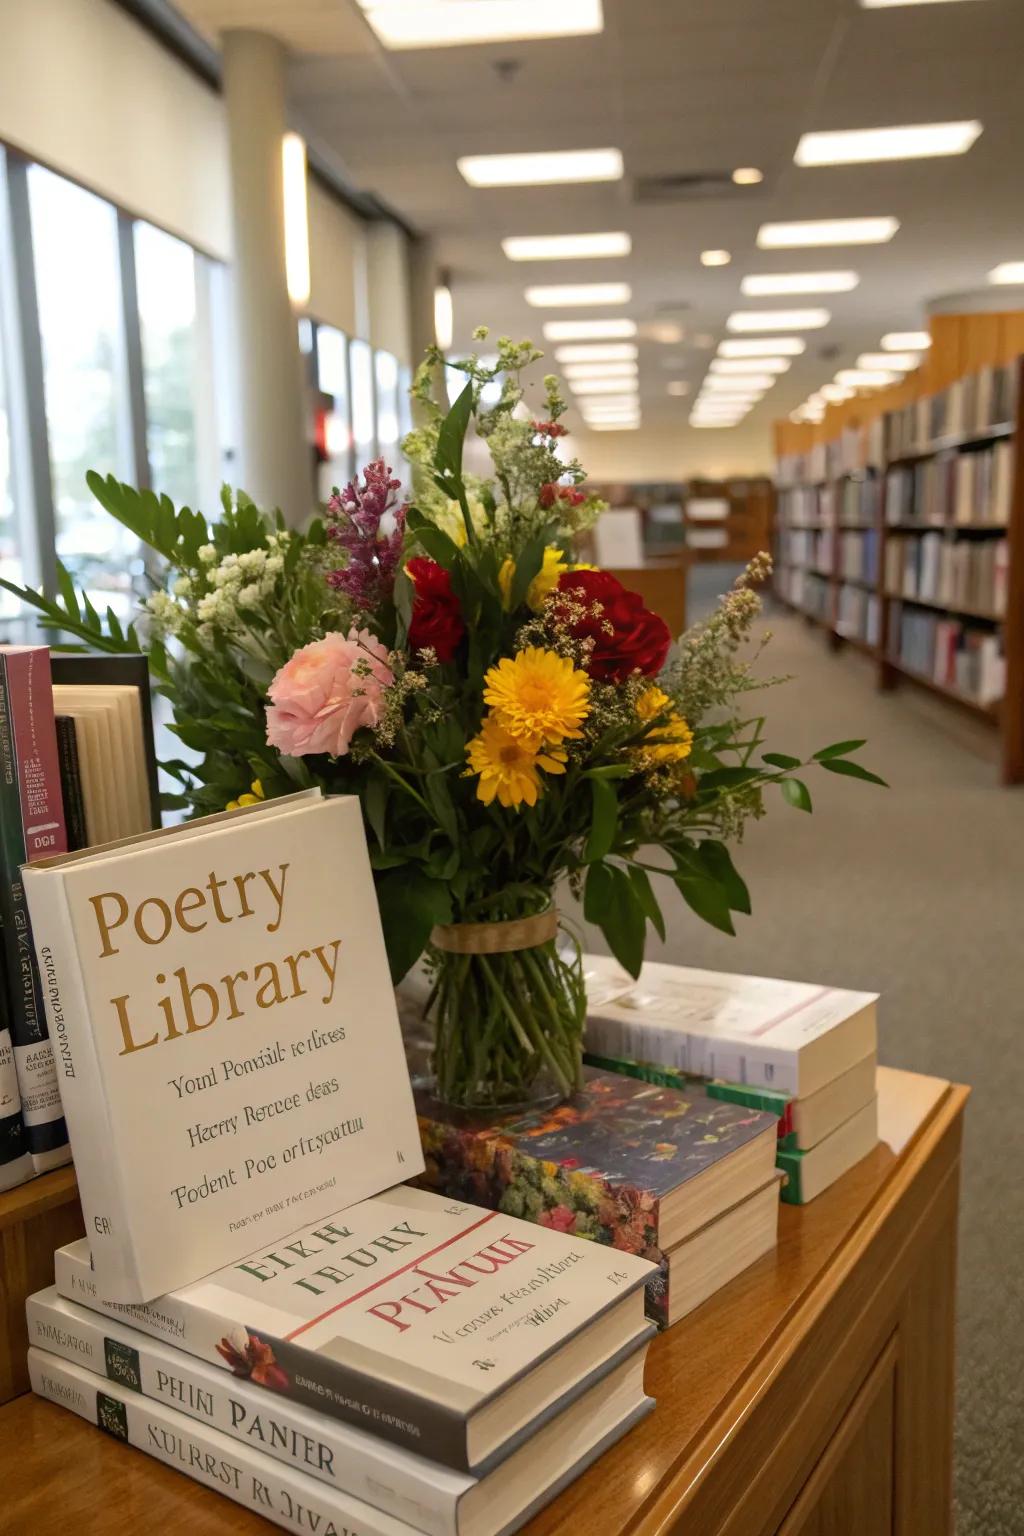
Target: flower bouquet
[[510, 719]]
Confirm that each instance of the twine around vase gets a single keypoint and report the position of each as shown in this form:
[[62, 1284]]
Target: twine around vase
[[497, 938]]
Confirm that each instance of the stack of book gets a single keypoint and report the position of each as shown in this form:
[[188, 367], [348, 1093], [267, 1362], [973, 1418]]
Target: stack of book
[[77, 766], [684, 1179], [259, 1304], [806, 1053]]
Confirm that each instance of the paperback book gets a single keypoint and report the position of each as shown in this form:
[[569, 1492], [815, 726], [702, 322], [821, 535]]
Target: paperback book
[[430, 1497], [809, 1173], [220, 991], [443, 1328], [791, 1036], [31, 828], [632, 1165]]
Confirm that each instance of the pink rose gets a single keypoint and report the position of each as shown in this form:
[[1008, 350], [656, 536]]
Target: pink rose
[[560, 1219], [326, 692]]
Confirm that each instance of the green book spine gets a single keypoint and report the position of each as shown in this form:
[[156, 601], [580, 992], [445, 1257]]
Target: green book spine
[[791, 1163], [646, 1071], [768, 1099]]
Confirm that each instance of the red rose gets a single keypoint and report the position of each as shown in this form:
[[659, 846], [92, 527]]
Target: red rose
[[566, 494], [638, 640], [436, 612]]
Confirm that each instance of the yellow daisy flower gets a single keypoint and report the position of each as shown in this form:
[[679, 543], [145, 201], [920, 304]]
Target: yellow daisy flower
[[509, 767], [542, 585], [253, 799], [538, 696], [668, 743]]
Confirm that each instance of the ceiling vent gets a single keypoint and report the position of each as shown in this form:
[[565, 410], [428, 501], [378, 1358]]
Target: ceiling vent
[[686, 187]]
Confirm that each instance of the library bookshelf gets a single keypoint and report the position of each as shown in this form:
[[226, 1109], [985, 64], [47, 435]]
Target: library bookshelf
[[900, 533]]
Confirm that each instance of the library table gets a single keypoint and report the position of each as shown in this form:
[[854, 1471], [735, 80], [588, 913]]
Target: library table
[[813, 1396]]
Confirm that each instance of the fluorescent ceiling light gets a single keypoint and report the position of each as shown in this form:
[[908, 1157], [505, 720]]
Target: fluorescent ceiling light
[[763, 346], [778, 320], [1007, 272], [444, 317], [622, 401], [296, 217], [448, 23], [866, 378], [569, 295], [704, 422], [601, 386], [547, 168], [899, 362], [873, 231], [761, 284], [701, 410], [906, 341], [613, 426], [715, 258], [600, 371], [882, 5], [834, 393], [565, 247], [741, 366], [747, 176], [746, 384], [677, 387], [666, 332], [600, 410], [612, 352], [588, 330], [859, 146]]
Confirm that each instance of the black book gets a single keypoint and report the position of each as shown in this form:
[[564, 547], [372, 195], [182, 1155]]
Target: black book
[[71, 784]]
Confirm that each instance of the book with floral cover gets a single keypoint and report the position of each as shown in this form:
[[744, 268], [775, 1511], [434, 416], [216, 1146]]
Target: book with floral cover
[[630, 1164]]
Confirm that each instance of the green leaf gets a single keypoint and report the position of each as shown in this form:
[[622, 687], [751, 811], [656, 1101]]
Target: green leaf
[[410, 904], [796, 794], [729, 778], [66, 588], [609, 771], [452, 434], [708, 900], [375, 801], [603, 821], [611, 902], [441, 804], [838, 749], [647, 899], [527, 567], [717, 861], [781, 760], [852, 771]]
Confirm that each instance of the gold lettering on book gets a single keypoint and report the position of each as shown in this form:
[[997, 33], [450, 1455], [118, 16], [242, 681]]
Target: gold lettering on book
[[154, 918]]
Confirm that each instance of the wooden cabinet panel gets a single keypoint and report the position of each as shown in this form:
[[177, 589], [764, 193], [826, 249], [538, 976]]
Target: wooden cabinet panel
[[850, 1491]]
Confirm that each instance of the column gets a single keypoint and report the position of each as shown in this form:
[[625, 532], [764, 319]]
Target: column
[[276, 460]]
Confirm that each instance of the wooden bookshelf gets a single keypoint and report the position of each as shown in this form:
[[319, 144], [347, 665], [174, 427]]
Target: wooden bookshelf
[[839, 486]]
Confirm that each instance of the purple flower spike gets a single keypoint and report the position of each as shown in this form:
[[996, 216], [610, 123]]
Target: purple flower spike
[[354, 518]]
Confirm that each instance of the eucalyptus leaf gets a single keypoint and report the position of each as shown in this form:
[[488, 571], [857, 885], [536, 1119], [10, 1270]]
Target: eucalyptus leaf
[[852, 770], [796, 793]]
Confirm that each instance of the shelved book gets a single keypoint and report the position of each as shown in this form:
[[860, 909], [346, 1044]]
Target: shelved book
[[352, 1462], [31, 828], [449, 1330], [220, 991], [637, 1167], [789, 1035]]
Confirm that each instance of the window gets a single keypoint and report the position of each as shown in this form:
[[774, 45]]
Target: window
[[363, 429], [77, 269], [332, 380], [388, 432], [10, 560], [165, 279]]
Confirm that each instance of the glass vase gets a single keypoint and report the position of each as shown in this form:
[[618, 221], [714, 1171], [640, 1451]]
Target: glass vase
[[508, 1008]]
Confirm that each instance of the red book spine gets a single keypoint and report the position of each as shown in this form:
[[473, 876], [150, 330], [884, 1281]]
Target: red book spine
[[35, 748]]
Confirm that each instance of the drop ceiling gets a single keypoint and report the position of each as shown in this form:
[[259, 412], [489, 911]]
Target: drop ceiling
[[684, 88]]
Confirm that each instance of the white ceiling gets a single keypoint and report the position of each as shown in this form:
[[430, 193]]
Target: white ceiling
[[685, 86]]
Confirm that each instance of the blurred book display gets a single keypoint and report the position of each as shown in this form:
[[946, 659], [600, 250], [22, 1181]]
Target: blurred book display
[[808, 1054], [684, 1179]]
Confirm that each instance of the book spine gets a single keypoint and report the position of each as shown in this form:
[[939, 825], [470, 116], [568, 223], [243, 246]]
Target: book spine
[[643, 1039], [72, 795], [329, 1386], [81, 1087], [28, 829], [349, 1460], [287, 1498], [15, 1162]]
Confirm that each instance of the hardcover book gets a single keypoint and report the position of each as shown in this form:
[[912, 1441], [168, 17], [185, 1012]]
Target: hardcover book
[[630, 1164], [787, 1035], [31, 828], [446, 1329], [127, 676], [431, 1498], [769, 1099], [226, 1034], [15, 1162]]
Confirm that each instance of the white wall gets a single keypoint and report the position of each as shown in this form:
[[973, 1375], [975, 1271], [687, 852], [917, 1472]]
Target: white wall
[[389, 290], [337, 264], [668, 453], [86, 90]]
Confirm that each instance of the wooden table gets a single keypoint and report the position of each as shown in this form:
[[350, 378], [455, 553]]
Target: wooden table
[[811, 1397]]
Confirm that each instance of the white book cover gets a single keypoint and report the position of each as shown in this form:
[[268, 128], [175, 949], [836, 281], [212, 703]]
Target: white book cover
[[443, 1327], [788, 1035], [430, 1497], [225, 1035]]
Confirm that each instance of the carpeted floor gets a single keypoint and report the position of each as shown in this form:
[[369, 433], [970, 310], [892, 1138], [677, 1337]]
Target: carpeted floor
[[916, 892]]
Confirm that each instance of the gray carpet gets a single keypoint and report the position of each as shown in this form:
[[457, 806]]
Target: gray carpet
[[916, 892]]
